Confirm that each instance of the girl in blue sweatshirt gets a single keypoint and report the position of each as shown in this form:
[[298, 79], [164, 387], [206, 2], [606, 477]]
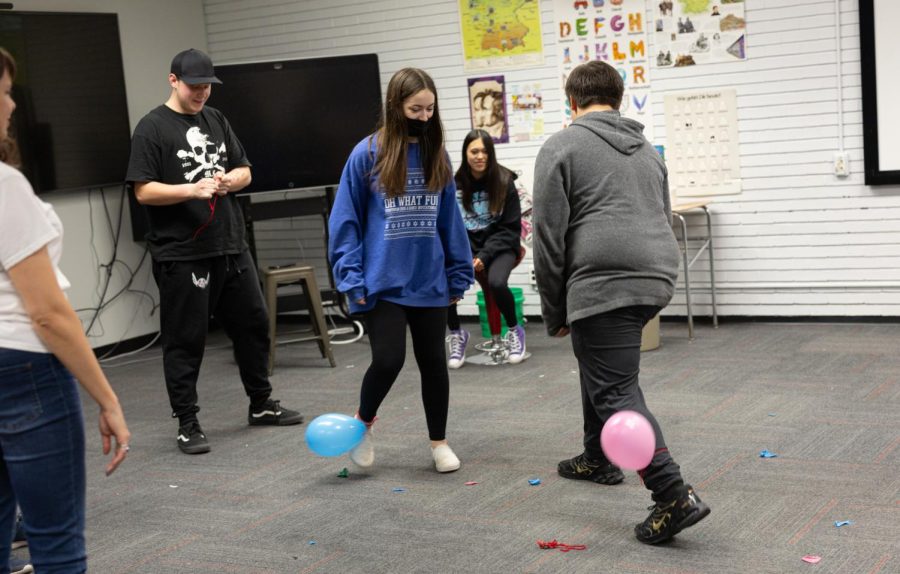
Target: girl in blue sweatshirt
[[399, 251]]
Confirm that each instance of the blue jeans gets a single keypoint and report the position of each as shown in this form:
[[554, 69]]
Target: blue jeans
[[42, 461]]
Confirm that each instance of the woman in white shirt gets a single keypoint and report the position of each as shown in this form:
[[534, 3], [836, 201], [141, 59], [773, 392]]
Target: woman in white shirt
[[42, 352]]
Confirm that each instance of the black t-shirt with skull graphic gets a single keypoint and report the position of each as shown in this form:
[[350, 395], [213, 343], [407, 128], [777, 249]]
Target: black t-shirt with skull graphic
[[172, 148]]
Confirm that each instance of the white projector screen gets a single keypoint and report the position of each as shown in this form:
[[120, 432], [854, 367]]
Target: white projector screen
[[880, 52]]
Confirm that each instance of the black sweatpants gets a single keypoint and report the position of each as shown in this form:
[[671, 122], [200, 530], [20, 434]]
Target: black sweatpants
[[608, 349], [386, 325], [498, 282], [226, 287]]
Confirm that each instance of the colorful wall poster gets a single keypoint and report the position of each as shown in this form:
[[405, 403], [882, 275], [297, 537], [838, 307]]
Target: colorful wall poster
[[487, 106], [525, 104], [702, 151], [500, 34], [691, 32], [524, 170], [614, 31]]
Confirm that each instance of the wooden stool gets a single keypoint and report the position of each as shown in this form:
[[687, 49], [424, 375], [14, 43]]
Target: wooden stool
[[303, 275]]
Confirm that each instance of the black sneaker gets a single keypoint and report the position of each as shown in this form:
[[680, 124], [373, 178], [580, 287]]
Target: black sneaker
[[582, 468], [669, 518], [19, 566], [191, 439], [272, 413], [19, 539]]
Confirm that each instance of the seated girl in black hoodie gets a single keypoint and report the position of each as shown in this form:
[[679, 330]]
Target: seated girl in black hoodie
[[489, 202]]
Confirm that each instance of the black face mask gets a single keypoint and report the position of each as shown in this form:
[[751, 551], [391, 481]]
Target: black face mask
[[415, 128]]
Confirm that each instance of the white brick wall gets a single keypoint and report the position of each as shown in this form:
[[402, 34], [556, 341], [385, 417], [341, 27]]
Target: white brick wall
[[797, 241]]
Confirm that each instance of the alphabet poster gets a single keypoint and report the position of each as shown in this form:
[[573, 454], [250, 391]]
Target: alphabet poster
[[702, 151], [690, 32], [614, 31]]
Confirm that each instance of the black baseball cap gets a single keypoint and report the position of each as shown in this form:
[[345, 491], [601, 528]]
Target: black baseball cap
[[194, 67]]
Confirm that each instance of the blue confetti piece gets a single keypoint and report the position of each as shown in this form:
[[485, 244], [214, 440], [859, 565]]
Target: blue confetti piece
[[534, 481], [399, 489], [771, 414], [840, 523], [766, 454], [312, 542]]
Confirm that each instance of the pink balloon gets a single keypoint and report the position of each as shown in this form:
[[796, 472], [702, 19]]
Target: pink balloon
[[628, 440]]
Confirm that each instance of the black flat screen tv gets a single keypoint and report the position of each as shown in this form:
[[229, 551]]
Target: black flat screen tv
[[71, 119], [299, 119]]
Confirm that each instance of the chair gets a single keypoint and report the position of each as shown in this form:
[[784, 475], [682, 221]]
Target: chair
[[296, 275], [495, 351]]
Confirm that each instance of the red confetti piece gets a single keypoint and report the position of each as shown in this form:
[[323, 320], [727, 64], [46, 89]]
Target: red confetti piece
[[559, 545]]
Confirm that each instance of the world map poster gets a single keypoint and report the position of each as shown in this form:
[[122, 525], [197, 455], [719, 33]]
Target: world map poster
[[500, 34]]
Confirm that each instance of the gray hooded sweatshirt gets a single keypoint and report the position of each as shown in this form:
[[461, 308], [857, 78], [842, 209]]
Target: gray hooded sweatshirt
[[603, 238]]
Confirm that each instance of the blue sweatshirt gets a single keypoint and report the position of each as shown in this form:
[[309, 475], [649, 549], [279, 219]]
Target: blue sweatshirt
[[411, 250]]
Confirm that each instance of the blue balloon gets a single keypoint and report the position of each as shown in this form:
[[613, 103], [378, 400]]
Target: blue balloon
[[333, 434]]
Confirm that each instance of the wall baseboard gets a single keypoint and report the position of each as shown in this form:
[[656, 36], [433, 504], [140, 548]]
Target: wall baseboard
[[706, 319]]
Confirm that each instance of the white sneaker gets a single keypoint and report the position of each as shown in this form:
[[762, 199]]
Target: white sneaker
[[363, 454], [458, 341], [444, 458]]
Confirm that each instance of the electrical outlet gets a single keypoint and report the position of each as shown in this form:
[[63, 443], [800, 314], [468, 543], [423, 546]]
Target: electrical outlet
[[841, 164]]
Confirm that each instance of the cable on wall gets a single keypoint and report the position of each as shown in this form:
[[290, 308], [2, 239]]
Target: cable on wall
[[840, 81]]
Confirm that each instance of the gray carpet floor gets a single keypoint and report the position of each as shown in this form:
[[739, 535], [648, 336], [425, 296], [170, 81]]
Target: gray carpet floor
[[823, 397]]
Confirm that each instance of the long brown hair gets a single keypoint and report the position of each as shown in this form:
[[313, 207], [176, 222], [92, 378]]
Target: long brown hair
[[390, 164], [9, 152], [496, 177]]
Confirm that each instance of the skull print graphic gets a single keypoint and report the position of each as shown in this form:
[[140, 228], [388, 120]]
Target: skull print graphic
[[202, 156]]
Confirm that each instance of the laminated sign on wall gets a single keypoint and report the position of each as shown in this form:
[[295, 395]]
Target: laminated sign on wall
[[702, 152], [689, 32]]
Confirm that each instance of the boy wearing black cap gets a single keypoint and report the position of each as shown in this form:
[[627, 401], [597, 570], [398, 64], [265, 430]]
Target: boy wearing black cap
[[185, 165]]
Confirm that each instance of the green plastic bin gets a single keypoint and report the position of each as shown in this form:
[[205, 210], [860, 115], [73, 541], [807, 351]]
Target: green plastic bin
[[518, 296]]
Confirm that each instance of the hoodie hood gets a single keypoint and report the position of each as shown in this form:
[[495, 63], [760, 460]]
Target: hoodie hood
[[623, 134]]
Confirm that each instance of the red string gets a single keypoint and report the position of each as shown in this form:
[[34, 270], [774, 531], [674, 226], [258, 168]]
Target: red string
[[212, 213], [559, 545]]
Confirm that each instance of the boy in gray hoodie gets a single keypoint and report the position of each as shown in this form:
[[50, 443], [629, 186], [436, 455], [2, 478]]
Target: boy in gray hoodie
[[606, 262]]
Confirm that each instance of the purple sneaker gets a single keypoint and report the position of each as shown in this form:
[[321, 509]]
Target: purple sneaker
[[458, 341], [516, 340]]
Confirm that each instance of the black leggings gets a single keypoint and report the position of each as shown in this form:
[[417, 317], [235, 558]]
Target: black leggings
[[386, 325], [498, 281]]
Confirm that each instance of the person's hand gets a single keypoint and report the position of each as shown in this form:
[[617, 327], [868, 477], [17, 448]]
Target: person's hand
[[455, 300], [205, 188], [112, 424], [361, 301], [478, 264], [223, 182], [563, 331]]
